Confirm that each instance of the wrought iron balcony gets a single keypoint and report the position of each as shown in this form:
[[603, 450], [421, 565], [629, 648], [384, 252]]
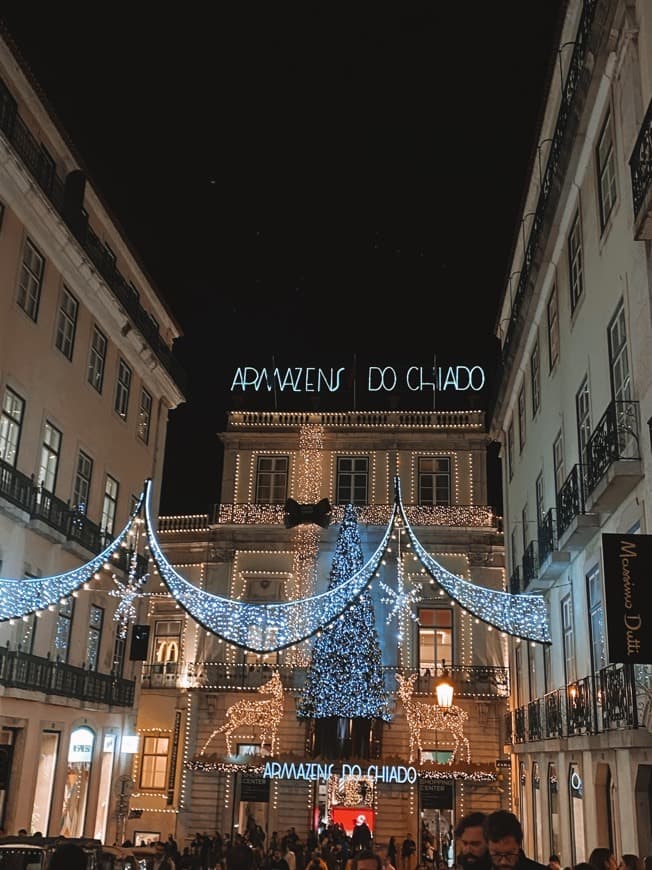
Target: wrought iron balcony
[[515, 585], [574, 526], [612, 457], [530, 564], [44, 507], [534, 726], [552, 561], [640, 166], [60, 195], [580, 707], [553, 724], [24, 671]]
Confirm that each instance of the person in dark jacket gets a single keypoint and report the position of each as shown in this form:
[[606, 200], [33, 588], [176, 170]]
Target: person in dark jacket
[[504, 836], [472, 851]]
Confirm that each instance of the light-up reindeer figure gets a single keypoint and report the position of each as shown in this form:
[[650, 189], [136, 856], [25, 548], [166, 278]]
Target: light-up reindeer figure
[[266, 714], [431, 717]]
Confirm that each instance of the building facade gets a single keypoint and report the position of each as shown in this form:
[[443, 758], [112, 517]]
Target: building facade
[[573, 415], [87, 377], [185, 778]]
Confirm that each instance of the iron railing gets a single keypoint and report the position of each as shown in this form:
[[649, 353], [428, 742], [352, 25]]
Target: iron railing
[[612, 699], [22, 670], [530, 564], [42, 505], [615, 437], [547, 537], [515, 585], [640, 163], [31, 154], [570, 499]]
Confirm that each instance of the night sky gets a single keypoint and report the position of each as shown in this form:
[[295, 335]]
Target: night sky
[[307, 184]]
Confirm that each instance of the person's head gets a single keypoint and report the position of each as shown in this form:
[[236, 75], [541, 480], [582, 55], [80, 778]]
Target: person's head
[[68, 856], [603, 859], [504, 838], [365, 859], [554, 862], [159, 849], [583, 865], [470, 835], [631, 862]]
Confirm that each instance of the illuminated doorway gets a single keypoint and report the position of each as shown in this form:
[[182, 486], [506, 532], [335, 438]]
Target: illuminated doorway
[[75, 799], [47, 764]]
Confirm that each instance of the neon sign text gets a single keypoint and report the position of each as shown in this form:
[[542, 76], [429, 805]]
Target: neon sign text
[[312, 771]]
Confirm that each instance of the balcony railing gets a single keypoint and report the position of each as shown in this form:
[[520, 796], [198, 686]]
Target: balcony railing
[[24, 671], [55, 189], [473, 681], [43, 506], [615, 437], [570, 500], [515, 584], [612, 699], [530, 564], [640, 165], [547, 537]]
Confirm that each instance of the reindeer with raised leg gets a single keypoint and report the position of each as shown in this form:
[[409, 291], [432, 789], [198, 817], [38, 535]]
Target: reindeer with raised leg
[[431, 717], [264, 714]]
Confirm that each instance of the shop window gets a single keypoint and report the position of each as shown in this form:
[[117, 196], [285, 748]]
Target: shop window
[[75, 800]]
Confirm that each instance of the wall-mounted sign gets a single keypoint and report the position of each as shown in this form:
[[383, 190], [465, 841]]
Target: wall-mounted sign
[[384, 379], [254, 788], [312, 771], [81, 745], [627, 567], [436, 795]]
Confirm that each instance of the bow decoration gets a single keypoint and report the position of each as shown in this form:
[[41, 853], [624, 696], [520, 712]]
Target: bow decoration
[[296, 514]]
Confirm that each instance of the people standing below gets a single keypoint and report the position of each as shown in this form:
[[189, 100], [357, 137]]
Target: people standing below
[[392, 852], [408, 853], [631, 862], [361, 838], [162, 861], [554, 862], [504, 836], [68, 856], [603, 859], [472, 849], [288, 853], [366, 859]]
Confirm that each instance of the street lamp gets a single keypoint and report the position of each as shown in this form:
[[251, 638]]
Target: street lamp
[[444, 689]]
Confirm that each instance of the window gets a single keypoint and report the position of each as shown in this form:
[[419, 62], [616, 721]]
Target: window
[[45, 168], [521, 418], [521, 676], [66, 323], [621, 382], [510, 450], [514, 550], [524, 527], [11, 424], [154, 762], [575, 262], [144, 416], [532, 672], [434, 480], [97, 359], [596, 619], [558, 462], [535, 379], [352, 479], [547, 667], [538, 487], [122, 389], [553, 330], [62, 629], [583, 407], [96, 618], [167, 641], [109, 505], [50, 452], [435, 627], [110, 255], [568, 638], [271, 480], [119, 652], [82, 485], [30, 280], [25, 631], [606, 166]]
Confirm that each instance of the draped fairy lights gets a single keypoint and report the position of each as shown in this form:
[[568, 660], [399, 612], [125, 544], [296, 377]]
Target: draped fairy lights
[[401, 600], [127, 593], [19, 598]]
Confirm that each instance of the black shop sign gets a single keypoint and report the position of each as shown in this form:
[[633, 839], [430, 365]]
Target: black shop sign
[[436, 795], [254, 788], [627, 568]]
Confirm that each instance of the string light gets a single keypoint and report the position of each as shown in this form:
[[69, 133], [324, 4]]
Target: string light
[[431, 717], [266, 715]]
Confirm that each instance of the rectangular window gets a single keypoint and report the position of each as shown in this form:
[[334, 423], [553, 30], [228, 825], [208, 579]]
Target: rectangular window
[[272, 479], [532, 673], [97, 359], [547, 667], [535, 378], [119, 653], [434, 480], [30, 280], [96, 618], [596, 620], [50, 454], [539, 498], [583, 407], [123, 386], [558, 462], [606, 166], [521, 418], [510, 450], [144, 416], [25, 630], [66, 323], [352, 478], [154, 762], [82, 485], [621, 381], [167, 641], [553, 330], [514, 549], [109, 505], [435, 627], [524, 537], [63, 629], [568, 638], [575, 262], [11, 424]]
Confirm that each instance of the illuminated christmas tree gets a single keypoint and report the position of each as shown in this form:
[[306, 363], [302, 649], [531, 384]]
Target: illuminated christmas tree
[[344, 690]]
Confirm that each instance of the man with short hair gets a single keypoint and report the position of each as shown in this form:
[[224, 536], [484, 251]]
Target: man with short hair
[[505, 841], [472, 852], [161, 860]]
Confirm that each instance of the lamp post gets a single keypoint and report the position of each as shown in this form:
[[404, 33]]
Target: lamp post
[[444, 689]]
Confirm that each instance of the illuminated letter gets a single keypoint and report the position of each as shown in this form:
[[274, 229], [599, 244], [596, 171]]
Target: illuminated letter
[[481, 384], [450, 378], [407, 378]]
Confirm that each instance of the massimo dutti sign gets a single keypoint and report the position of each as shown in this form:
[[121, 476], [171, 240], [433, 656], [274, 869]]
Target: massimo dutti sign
[[627, 576]]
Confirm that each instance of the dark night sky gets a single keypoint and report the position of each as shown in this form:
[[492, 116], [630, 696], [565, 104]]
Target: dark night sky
[[307, 182]]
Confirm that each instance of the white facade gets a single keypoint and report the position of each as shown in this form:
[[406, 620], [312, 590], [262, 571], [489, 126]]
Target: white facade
[[86, 381], [576, 331]]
